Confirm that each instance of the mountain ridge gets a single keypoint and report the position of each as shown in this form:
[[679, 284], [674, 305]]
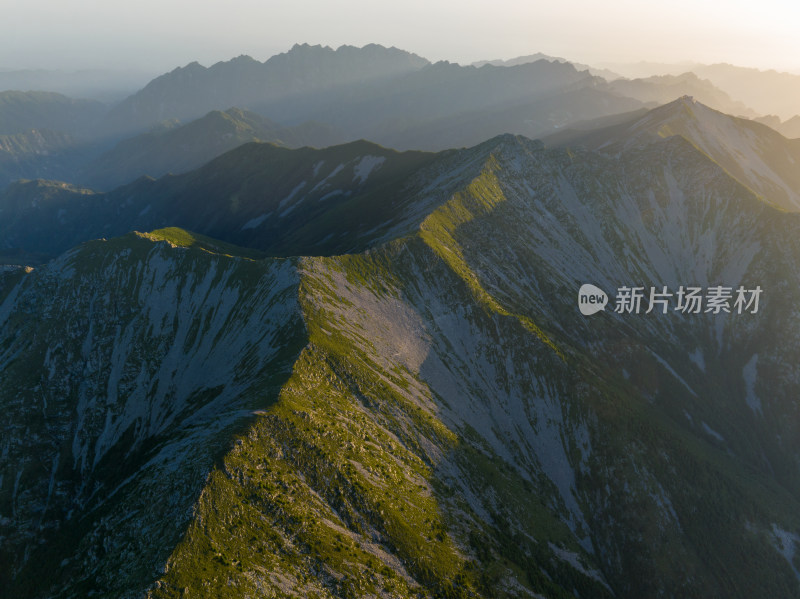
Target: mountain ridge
[[251, 193], [246, 81], [188, 146], [450, 424], [398, 90]]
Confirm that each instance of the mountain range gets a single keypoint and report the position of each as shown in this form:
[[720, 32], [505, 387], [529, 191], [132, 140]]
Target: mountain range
[[754, 154], [299, 75], [312, 327], [318, 96], [392, 97], [765, 91], [359, 372], [258, 194], [599, 72]]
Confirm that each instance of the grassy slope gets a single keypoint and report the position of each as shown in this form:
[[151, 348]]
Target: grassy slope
[[131, 499], [363, 461], [349, 486]]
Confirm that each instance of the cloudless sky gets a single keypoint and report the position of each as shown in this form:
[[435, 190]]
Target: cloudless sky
[[158, 35]]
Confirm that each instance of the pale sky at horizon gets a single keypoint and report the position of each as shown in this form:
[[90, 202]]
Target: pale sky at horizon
[[160, 35]]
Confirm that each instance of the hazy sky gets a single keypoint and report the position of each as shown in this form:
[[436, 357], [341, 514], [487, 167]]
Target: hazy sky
[[158, 35]]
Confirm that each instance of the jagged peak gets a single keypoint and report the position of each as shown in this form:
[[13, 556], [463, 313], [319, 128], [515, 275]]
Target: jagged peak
[[192, 66], [509, 141], [689, 109], [303, 46], [374, 49], [244, 59], [685, 107]]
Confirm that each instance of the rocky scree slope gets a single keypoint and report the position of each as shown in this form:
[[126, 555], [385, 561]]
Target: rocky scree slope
[[427, 416]]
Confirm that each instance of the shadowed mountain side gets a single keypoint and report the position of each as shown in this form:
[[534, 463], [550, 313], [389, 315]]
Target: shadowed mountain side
[[281, 201], [186, 147], [346, 198]]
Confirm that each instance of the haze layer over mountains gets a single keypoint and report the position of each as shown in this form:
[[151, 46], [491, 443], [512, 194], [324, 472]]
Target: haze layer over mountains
[[313, 95]]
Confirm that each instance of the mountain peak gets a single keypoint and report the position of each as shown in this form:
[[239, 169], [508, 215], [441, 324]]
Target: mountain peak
[[348, 52], [506, 141], [756, 156], [305, 47], [192, 66], [244, 59]]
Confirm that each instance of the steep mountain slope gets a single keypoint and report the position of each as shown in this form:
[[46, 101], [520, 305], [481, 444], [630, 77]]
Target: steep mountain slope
[[440, 420], [754, 154], [259, 195], [105, 451], [189, 146], [340, 198]]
